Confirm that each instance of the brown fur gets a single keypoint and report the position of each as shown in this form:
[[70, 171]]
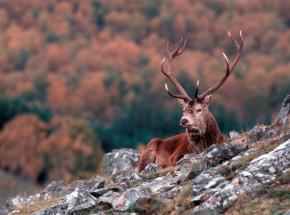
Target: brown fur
[[165, 152], [169, 150], [211, 136]]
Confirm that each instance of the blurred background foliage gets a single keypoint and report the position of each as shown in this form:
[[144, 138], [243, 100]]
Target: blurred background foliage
[[79, 78]]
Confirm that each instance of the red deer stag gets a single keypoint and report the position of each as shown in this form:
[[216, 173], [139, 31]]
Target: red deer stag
[[201, 127]]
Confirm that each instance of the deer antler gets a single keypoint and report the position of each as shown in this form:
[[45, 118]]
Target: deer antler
[[229, 67], [170, 55]]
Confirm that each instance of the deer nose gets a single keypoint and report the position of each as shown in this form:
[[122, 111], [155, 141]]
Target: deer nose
[[183, 121]]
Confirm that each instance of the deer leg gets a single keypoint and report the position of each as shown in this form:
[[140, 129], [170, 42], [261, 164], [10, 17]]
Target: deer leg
[[179, 153], [149, 154]]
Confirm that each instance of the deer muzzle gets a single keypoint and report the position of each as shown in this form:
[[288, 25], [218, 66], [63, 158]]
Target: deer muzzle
[[193, 130], [184, 122]]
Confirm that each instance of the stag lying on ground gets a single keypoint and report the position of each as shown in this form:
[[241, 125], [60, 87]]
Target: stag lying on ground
[[201, 127]]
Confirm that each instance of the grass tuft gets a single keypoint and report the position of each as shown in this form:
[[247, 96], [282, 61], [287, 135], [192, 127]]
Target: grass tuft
[[180, 203], [280, 193]]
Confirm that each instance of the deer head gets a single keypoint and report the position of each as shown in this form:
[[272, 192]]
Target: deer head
[[196, 118]]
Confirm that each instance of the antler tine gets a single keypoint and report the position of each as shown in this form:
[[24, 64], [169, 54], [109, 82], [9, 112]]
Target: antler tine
[[235, 42], [229, 67], [233, 39], [170, 55], [180, 89], [196, 90], [174, 95], [181, 46], [239, 47]]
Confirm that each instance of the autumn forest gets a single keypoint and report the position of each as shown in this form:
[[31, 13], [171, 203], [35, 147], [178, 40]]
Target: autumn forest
[[80, 78]]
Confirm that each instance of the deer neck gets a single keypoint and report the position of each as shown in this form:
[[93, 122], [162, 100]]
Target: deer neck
[[212, 136]]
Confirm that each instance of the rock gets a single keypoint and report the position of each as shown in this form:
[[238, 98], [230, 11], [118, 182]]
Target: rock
[[4, 210], [130, 177], [278, 159], [58, 188], [284, 111], [99, 192], [189, 159], [77, 202], [53, 189], [208, 179], [150, 168], [159, 184], [262, 132], [234, 134], [216, 154], [130, 198], [189, 172], [206, 211], [211, 192], [120, 161], [107, 200], [97, 183], [248, 180], [18, 202]]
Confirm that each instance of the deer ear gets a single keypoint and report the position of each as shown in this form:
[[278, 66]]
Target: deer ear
[[182, 102], [207, 99]]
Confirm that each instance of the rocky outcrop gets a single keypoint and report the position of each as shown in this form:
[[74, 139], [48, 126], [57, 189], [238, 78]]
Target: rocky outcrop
[[122, 160], [209, 183], [284, 111], [262, 170]]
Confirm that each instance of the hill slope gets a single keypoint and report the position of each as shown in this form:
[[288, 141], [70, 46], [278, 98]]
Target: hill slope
[[249, 174]]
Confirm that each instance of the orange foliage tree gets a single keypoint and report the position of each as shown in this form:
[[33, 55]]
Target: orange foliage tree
[[45, 151]]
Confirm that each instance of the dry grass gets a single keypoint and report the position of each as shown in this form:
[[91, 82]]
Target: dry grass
[[197, 165], [162, 172], [39, 205], [179, 204], [147, 206], [284, 178], [228, 171], [171, 169], [275, 201]]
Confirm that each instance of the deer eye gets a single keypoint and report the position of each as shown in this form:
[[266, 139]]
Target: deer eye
[[198, 110], [190, 111]]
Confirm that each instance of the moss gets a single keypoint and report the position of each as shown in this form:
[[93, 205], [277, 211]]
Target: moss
[[280, 193]]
